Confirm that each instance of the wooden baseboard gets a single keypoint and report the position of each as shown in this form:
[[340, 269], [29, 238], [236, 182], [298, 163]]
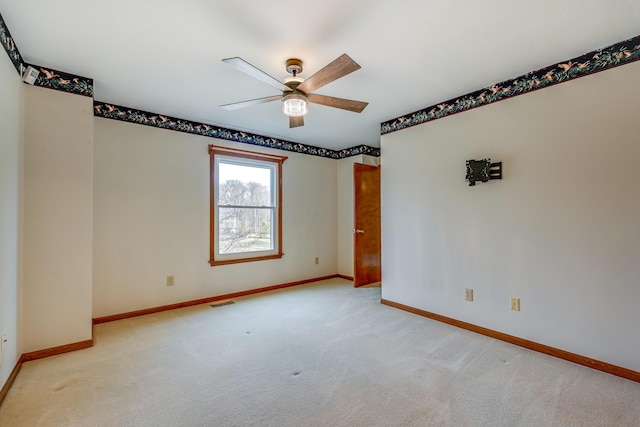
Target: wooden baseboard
[[9, 382], [152, 310], [541, 348], [40, 354], [342, 276]]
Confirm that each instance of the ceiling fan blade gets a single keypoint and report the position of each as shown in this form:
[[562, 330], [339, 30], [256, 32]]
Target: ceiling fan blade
[[340, 67], [294, 122], [243, 104], [330, 101], [245, 67]]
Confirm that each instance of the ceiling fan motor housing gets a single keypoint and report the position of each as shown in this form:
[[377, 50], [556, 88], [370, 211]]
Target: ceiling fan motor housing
[[294, 66]]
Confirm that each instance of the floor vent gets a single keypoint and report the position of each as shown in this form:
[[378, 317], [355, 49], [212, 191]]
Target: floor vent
[[222, 304]]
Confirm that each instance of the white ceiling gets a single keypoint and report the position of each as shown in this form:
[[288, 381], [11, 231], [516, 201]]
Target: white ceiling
[[165, 56]]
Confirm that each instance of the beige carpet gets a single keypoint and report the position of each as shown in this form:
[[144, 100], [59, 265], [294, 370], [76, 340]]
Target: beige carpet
[[322, 354]]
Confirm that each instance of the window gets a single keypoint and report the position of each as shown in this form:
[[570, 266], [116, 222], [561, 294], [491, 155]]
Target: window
[[246, 206]]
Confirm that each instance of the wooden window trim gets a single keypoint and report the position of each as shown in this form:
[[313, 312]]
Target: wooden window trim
[[279, 160]]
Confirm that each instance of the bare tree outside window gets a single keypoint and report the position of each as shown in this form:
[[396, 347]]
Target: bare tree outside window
[[244, 229]]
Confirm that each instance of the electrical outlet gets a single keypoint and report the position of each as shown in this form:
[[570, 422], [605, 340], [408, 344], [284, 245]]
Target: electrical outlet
[[171, 280], [468, 294], [317, 260], [515, 304]]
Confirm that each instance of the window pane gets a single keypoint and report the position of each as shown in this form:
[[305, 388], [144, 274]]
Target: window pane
[[245, 230], [241, 185], [246, 206]]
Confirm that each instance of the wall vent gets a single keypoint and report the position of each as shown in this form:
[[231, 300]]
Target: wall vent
[[222, 304]]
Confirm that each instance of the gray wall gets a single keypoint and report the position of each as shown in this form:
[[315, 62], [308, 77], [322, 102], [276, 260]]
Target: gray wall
[[10, 199], [151, 220], [58, 193], [561, 231]]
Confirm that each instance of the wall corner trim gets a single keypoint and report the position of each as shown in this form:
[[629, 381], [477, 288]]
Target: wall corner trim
[[541, 348]]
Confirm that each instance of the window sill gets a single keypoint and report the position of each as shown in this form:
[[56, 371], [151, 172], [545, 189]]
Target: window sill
[[214, 262]]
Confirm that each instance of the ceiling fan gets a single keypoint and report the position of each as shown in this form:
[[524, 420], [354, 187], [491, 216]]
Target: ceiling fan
[[296, 91]]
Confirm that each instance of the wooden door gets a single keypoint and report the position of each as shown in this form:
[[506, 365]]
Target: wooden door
[[366, 232]]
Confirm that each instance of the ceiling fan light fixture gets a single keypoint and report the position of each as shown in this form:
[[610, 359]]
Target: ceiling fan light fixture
[[294, 105]]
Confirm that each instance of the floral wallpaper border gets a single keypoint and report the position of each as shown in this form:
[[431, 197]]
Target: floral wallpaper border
[[598, 60], [131, 115], [59, 80], [9, 45], [49, 78]]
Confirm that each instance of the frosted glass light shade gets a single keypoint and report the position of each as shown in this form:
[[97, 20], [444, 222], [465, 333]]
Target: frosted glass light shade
[[294, 105]]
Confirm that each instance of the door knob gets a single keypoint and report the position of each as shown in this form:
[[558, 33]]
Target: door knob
[[357, 231]]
